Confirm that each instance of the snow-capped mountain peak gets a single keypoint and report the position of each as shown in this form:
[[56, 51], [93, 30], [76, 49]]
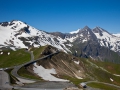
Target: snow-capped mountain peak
[[13, 23], [78, 30], [86, 28], [17, 34], [22, 35], [106, 39]]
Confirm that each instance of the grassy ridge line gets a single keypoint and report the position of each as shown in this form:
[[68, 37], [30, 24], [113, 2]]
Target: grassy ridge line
[[37, 51]]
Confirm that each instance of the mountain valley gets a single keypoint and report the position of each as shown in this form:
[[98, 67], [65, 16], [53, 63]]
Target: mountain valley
[[79, 56]]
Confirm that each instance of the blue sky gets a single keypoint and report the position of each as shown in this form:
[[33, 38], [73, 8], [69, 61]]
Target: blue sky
[[63, 15]]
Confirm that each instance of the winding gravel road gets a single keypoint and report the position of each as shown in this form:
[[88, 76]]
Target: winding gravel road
[[4, 79], [16, 68], [52, 85]]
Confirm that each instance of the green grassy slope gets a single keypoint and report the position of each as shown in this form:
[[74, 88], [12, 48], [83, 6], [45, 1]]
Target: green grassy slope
[[15, 58], [102, 86], [24, 73], [97, 70], [93, 70], [111, 67], [37, 51]]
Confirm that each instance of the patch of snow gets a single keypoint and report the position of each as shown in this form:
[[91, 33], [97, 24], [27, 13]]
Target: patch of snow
[[83, 84], [77, 62], [13, 48], [8, 53], [91, 57], [71, 39], [106, 44], [65, 49], [81, 35], [61, 40], [24, 35], [75, 31], [111, 79], [35, 45], [118, 34], [116, 75], [70, 45], [1, 53], [88, 32], [46, 73], [85, 40], [101, 43], [75, 51]]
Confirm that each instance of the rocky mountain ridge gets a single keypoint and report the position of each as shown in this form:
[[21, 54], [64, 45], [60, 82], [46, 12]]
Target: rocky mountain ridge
[[17, 34], [95, 43]]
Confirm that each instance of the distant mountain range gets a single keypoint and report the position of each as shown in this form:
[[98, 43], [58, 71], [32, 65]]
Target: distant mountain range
[[94, 43]]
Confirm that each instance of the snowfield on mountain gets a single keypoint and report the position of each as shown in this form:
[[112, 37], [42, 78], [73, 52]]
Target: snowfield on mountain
[[46, 74], [84, 42], [12, 32]]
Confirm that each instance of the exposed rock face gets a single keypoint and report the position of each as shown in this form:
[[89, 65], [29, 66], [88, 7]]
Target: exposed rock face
[[64, 64], [95, 43]]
